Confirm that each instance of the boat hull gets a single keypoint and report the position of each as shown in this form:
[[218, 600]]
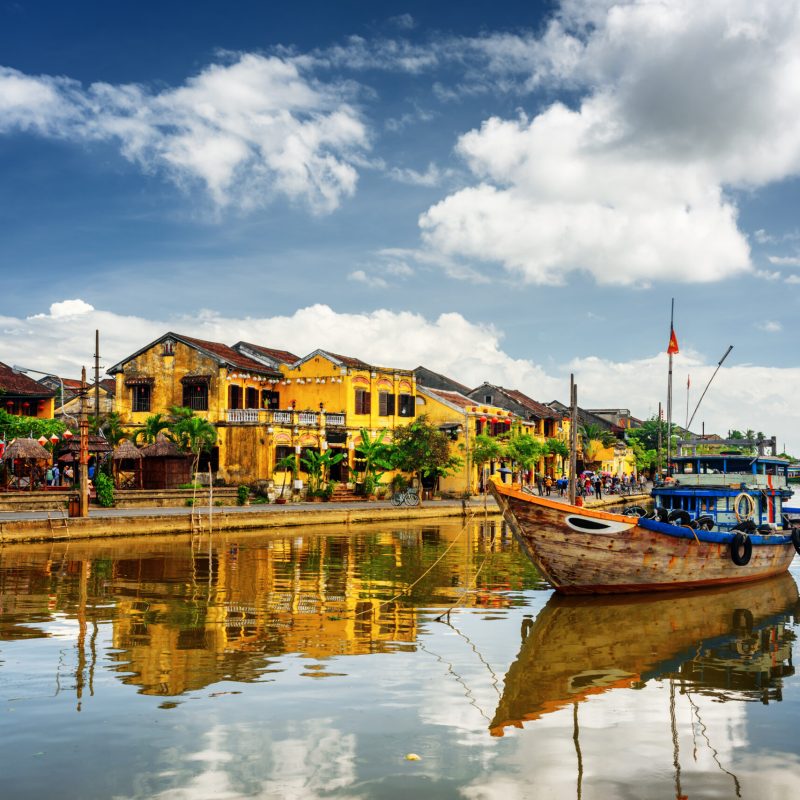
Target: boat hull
[[586, 551]]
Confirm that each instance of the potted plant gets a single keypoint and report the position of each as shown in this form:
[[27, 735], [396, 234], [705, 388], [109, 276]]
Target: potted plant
[[288, 465]]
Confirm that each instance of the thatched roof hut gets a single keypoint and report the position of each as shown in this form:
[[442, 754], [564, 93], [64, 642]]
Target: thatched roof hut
[[165, 465], [97, 445], [126, 450], [27, 449]]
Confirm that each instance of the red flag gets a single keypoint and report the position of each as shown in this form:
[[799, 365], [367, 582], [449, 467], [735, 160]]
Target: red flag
[[673, 342]]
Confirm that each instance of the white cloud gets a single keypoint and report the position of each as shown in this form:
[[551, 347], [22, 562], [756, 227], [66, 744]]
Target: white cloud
[[431, 177], [70, 308], [404, 22], [769, 326], [742, 396], [682, 100], [373, 281], [785, 261], [246, 131], [793, 279]]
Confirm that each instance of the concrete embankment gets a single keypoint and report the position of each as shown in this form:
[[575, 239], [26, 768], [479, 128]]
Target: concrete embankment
[[47, 526]]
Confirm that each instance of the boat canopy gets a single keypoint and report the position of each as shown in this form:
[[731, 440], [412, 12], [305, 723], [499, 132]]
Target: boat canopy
[[727, 463]]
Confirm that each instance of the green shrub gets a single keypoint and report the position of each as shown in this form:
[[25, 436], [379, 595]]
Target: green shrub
[[219, 502], [242, 493], [189, 486], [105, 490], [189, 501]]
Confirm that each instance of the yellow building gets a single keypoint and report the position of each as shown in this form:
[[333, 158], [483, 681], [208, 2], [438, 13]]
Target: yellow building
[[618, 459], [265, 403]]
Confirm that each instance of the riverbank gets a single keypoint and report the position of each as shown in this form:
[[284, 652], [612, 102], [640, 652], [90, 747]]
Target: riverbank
[[43, 526]]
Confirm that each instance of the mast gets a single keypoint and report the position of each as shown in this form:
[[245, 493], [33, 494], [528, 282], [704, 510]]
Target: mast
[[573, 436], [669, 389]]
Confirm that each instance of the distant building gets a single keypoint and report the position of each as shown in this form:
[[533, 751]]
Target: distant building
[[435, 380], [23, 396]]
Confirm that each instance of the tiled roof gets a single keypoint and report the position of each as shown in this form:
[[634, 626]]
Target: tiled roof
[[349, 361], [537, 408], [15, 383], [227, 354], [452, 397], [283, 356]]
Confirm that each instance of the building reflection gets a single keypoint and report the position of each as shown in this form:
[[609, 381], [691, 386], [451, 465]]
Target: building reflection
[[184, 615]]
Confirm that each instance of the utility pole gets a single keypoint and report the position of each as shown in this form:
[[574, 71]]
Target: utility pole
[[658, 454], [83, 454], [97, 376], [573, 437]]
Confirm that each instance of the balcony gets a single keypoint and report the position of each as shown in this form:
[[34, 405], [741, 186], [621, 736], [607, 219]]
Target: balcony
[[282, 417], [307, 419], [239, 416], [335, 420]]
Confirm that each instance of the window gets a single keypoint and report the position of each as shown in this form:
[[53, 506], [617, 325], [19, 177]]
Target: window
[[140, 397], [363, 402], [195, 396], [251, 398], [234, 396], [270, 399], [487, 398], [405, 405], [168, 347], [385, 404], [283, 450]]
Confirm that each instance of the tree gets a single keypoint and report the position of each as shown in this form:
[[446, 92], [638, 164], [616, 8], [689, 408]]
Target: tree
[[153, 425], [112, 429], [318, 467], [195, 435], [557, 448], [14, 427], [524, 450], [377, 458], [287, 464], [422, 449], [594, 431], [485, 448]]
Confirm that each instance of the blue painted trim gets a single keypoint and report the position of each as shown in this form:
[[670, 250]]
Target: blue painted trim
[[713, 537]]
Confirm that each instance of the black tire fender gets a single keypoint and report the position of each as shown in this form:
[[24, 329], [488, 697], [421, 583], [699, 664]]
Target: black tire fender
[[634, 511], [796, 539], [679, 516], [741, 548], [662, 515]]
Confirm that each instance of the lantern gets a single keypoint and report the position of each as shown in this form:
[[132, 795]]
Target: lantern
[[508, 422], [26, 404], [54, 440], [42, 440], [68, 434], [494, 419], [483, 419]]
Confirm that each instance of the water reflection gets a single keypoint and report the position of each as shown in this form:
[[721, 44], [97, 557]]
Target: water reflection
[[729, 644], [191, 613]]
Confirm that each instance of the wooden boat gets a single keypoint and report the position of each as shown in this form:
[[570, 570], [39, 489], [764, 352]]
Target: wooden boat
[[589, 551], [732, 642]]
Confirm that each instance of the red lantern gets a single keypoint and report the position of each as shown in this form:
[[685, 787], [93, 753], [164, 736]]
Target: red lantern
[[494, 419], [26, 404], [42, 440], [68, 434], [508, 422], [54, 440], [483, 419], [10, 403]]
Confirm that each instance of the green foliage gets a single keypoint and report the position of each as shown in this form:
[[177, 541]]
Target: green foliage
[[596, 432], [242, 493], [189, 486], [189, 501], [111, 426], [104, 487], [557, 448], [525, 451], [219, 502], [485, 449], [14, 427], [423, 449], [377, 457], [153, 425], [287, 465], [318, 465]]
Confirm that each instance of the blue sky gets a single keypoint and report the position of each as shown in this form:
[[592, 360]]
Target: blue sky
[[504, 191]]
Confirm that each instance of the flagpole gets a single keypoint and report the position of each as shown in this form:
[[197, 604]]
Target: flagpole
[[669, 392], [688, 384]]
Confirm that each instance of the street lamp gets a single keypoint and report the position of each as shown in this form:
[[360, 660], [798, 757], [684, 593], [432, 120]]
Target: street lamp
[[18, 368]]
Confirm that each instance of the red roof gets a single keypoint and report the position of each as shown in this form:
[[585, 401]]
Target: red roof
[[283, 356], [452, 397], [228, 355], [19, 385], [349, 361], [539, 409]]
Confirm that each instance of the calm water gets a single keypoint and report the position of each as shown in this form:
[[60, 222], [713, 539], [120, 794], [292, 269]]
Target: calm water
[[310, 665]]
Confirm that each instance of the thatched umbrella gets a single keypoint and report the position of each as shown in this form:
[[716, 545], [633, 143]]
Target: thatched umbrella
[[30, 453], [126, 450], [162, 446]]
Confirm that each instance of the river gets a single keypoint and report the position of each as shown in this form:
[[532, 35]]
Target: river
[[320, 663]]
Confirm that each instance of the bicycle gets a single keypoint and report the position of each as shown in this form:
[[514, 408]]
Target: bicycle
[[406, 497]]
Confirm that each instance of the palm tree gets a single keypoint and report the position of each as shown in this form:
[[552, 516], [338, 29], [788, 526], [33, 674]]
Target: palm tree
[[196, 435], [153, 425], [377, 457], [287, 464], [112, 428]]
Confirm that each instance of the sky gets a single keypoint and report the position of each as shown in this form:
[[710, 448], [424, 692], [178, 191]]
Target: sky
[[509, 192]]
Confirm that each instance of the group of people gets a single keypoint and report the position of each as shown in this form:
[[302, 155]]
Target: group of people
[[55, 477], [591, 484]]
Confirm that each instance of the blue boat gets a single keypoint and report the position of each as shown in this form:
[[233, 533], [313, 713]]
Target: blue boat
[[727, 492]]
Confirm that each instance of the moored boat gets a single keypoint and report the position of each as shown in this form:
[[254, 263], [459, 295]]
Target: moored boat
[[590, 551]]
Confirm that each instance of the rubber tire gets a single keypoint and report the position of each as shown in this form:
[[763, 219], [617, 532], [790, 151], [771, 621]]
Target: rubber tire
[[634, 511], [397, 499], [679, 516], [705, 521], [662, 515], [796, 539], [741, 549]]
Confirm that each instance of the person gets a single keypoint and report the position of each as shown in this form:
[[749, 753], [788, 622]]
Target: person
[[587, 485], [539, 485], [69, 474], [598, 487], [548, 485], [56, 475], [49, 476], [91, 472]]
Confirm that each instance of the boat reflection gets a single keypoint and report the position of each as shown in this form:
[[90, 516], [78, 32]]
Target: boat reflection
[[732, 644]]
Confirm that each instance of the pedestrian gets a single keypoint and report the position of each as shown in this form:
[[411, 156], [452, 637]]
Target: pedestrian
[[49, 476], [548, 485], [56, 475], [598, 487], [69, 474], [539, 485]]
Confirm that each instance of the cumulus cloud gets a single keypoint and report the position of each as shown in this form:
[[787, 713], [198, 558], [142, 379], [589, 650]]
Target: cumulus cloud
[[769, 326], [681, 102], [245, 131], [742, 396], [431, 177], [785, 261]]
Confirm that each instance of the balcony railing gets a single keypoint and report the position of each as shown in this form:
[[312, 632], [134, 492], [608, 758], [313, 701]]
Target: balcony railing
[[242, 416]]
